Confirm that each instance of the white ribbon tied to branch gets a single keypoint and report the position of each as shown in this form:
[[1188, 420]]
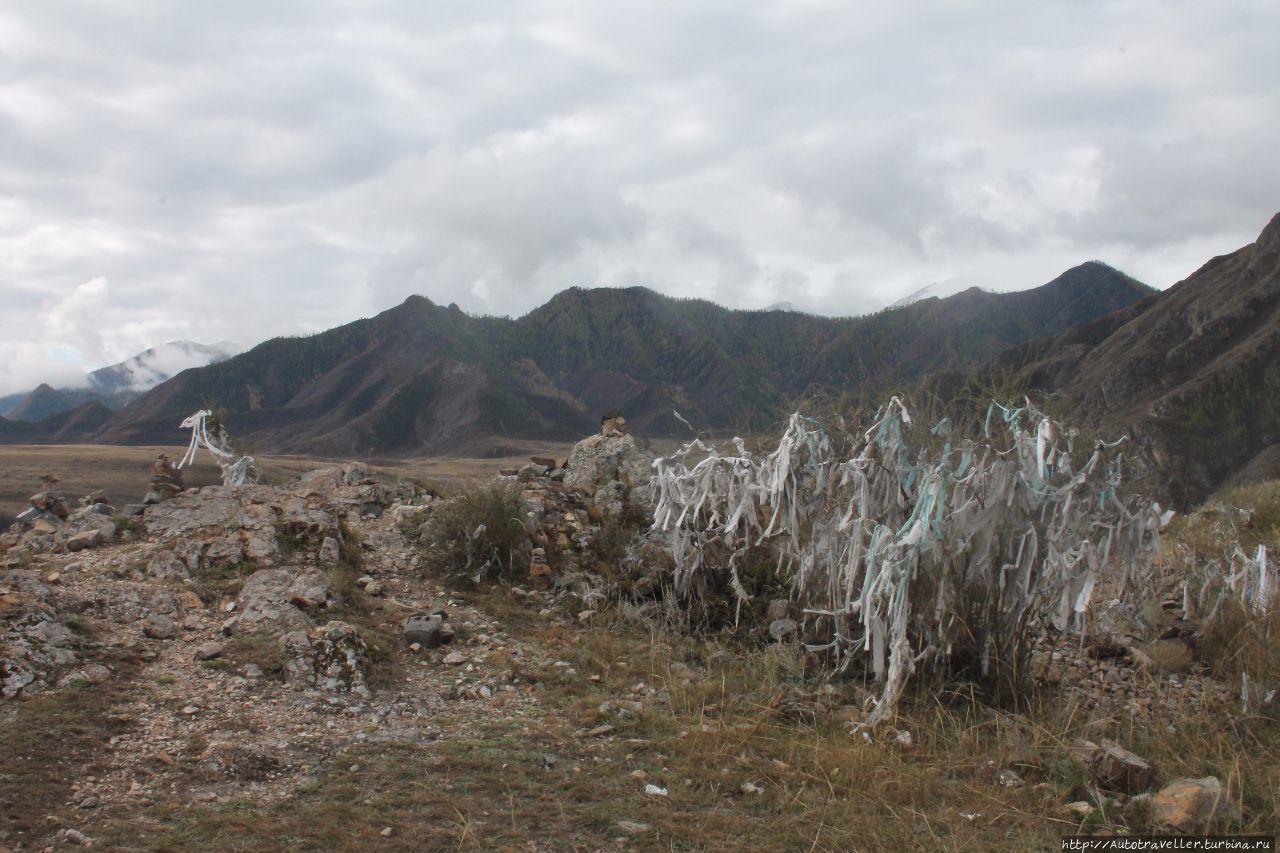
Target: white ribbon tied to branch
[[236, 470], [894, 552]]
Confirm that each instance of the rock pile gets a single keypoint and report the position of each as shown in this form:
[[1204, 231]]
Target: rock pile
[[166, 481], [610, 468], [49, 526], [48, 508]]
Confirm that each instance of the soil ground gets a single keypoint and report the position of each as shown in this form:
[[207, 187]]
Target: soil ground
[[542, 729]]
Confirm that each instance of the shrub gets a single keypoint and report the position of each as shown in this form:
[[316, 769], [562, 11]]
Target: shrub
[[478, 533], [923, 551], [1222, 557]]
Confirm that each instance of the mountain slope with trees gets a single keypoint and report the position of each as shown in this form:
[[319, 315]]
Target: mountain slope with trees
[[422, 378], [1191, 374]]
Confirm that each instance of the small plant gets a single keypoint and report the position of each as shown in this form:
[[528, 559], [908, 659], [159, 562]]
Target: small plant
[[260, 649], [478, 533], [129, 524]]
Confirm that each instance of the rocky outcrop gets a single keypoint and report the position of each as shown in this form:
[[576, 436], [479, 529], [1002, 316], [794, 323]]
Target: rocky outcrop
[[275, 600], [610, 467], [332, 657]]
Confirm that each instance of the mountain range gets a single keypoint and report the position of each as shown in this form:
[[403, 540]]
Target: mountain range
[[119, 384], [422, 378], [1189, 373]]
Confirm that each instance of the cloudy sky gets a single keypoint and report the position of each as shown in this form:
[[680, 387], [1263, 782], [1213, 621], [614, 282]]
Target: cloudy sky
[[239, 170]]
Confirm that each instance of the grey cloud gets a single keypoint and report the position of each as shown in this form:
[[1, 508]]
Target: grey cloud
[[241, 170]]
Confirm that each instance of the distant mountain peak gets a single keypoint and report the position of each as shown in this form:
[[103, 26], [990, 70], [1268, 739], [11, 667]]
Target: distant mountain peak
[[117, 384]]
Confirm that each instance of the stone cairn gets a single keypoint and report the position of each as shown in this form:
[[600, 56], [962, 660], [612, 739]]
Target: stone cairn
[[48, 507], [613, 425], [166, 481], [540, 576]]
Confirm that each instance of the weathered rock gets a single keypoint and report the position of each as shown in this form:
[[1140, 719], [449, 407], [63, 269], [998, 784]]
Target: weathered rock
[[157, 626], [83, 540], [1194, 806], [266, 601], [165, 565], [83, 524], [423, 630], [329, 552], [186, 514], [532, 470], [783, 629], [1114, 767], [299, 659], [226, 551], [599, 460], [340, 655], [262, 546], [208, 651]]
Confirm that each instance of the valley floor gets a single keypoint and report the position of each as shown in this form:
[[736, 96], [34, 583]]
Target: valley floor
[[542, 728]]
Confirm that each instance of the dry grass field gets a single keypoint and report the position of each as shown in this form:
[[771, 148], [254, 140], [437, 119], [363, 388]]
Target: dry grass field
[[123, 472]]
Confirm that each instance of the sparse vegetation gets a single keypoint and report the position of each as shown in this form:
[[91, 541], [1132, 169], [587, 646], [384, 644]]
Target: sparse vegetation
[[478, 533]]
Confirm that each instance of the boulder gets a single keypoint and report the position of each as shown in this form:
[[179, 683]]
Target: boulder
[[83, 540], [783, 629], [424, 630], [211, 507], [157, 626], [599, 460], [268, 600], [208, 651], [1194, 806], [166, 565], [340, 655]]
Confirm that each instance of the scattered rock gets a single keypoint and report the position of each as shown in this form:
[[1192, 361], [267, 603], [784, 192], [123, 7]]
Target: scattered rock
[[1194, 806], [85, 539], [159, 627], [423, 630], [209, 651], [1114, 767]]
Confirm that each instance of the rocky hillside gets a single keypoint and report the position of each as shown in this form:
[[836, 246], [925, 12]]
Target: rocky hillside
[[287, 668], [1191, 374], [421, 378]]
